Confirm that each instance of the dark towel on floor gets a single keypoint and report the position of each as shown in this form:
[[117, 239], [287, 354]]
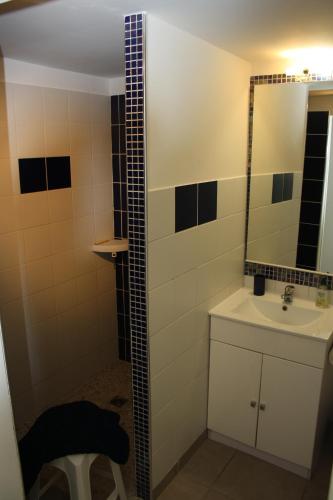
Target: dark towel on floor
[[70, 429]]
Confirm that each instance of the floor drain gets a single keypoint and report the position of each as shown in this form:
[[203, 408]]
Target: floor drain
[[118, 401]]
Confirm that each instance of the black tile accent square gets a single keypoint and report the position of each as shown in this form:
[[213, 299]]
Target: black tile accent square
[[117, 224], [308, 234], [120, 302], [207, 202], [316, 145], [288, 182], [116, 168], [306, 256], [186, 207], [122, 139], [58, 172], [124, 224], [119, 277], [114, 110], [123, 196], [122, 108], [123, 168], [317, 122], [314, 168], [122, 348], [277, 190], [115, 139], [121, 326], [312, 190], [117, 196], [310, 212], [32, 175]]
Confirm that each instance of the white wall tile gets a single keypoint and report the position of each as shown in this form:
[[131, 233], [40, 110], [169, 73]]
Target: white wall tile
[[83, 231], [7, 181], [261, 190], [80, 139], [9, 220], [10, 250], [82, 201], [64, 266], [57, 141], [28, 103], [81, 170], [37, 242], [60, 205], [66, 296], [103, 197], [33, 209], [30, 140], [86, 286], [41, 305], [231, 196], [38, 275], [161, 213], [102, 170], [10, 285], [55, 103], [62, 236], [79, 107]]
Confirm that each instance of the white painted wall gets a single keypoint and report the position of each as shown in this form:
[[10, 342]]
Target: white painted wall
[[201, 92], [197, 108]]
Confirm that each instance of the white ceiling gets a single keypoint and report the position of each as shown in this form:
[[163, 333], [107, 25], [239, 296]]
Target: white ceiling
[[86, 35]]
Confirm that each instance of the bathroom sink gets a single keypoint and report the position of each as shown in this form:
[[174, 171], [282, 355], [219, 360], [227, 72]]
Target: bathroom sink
[[301, 317], [290, 314]]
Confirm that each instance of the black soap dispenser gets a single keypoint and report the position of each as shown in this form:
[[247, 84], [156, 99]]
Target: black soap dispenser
[[259, 284]]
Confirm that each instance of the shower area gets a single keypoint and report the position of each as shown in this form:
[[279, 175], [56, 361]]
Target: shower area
[[64, 307]]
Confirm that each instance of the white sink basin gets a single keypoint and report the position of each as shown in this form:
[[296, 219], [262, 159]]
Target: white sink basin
[[301, 317], [276, 311]]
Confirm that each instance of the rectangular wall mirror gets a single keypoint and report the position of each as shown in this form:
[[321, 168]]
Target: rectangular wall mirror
[[291, 180]]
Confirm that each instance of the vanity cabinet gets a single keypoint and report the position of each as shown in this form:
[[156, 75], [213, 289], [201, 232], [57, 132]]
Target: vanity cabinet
[[264, 402]]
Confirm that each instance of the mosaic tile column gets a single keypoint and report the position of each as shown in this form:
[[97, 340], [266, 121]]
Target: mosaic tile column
[[136, 190]]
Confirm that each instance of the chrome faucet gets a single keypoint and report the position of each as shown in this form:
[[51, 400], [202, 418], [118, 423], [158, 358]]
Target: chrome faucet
[[288, 294]]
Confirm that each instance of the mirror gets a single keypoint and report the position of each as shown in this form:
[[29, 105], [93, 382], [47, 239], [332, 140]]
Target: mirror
[[291, 183]]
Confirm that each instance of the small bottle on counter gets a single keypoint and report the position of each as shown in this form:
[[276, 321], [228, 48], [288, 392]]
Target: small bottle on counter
[[322, 297], [259, 284]]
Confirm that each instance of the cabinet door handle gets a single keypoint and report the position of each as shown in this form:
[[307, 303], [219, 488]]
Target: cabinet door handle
[[262, 406], [253, 404]]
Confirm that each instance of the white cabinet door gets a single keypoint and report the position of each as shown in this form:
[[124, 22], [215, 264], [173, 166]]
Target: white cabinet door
[[234, 382], [287, 423]]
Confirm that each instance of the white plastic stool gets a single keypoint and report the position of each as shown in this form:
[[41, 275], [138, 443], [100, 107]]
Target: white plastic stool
[[77, 468]]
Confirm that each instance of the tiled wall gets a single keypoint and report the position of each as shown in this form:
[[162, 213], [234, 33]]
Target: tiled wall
[[57, 298], [196, 160], [312, 189], [274, 217], [119, 166]]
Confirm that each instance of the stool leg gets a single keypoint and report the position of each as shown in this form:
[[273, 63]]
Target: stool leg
[[118, 479], [34, 492], [78, 478]]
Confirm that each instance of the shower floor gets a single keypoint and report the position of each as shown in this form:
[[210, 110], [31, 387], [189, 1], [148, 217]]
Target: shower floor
[[110, 384]]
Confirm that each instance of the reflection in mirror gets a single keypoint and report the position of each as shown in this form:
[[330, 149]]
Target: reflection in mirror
[[291, 188]]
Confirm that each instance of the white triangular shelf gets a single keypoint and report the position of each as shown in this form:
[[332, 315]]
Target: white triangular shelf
[[111, 246]]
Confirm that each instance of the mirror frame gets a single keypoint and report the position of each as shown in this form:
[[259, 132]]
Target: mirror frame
[[275, 271]]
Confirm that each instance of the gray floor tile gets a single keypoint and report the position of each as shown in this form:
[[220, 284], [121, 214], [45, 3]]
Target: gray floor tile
[[215, 495], [207, 463], [247, 478], [182, 488]]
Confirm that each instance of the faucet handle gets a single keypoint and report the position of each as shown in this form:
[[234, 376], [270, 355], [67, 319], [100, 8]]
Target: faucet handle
[[289, 289]]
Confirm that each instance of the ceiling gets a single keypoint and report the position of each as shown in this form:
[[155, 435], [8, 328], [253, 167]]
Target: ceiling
[[86, 35]]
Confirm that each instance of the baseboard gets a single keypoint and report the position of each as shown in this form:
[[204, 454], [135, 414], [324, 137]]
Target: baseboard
[[279, 462], [179, 465]]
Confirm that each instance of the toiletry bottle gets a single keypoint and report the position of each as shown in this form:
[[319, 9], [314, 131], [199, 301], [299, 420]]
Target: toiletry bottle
[[322, 293]]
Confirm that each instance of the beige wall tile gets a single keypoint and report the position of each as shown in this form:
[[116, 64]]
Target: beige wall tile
[[231, 196], [80, 139], [100, 109], [55, 105], [66, 296], [7, 182], [28, 103], [79, 107], [103, 226], [64, 267], [102, 168], [57, 142], [85, 260], [41, 305], [33, 209], [161, 213], [60, 204], [86, 286], [10, 285], [9, 220], [30, 140], [103, 198], [4, 141], [81, 170], [46, 346], [37, 276], [62, 236], [261, 190], [84, 231], [10, 250], [82, 201], [101, 139], [37, 243], [106, 278]]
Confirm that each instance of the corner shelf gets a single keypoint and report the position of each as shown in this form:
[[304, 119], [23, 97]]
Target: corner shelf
[[111, 246]]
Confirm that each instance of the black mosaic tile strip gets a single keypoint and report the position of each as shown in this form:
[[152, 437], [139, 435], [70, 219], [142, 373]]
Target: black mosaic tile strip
[[119, 167], [136, 194], [278, 273]]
